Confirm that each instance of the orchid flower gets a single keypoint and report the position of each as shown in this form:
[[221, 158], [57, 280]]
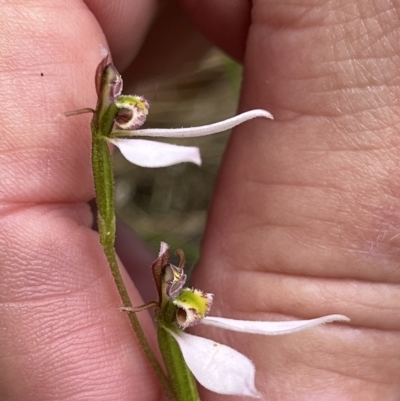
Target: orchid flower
[[129, 112], [157, 154], [132, 114], [217, 367]]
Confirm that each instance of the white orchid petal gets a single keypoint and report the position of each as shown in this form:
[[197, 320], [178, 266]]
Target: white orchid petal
[[270, 328], [202, 130], [218, 368], [156, 154]]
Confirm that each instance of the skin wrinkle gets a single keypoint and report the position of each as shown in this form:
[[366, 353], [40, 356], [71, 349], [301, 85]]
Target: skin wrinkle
[[314, 367], [333, 223], [378, 130], [362, 86], [52, 289], [304, 185], [58, 338], [314, 14], [311, 216], [347, 277], [338, 372], [77, 212], [370, 253], [349, 158], [59, 347], [341, 110], [252, 229], [359, 229], [85, 342], [319, 72], [305, 15], [236, 286], [382, 359], [267, 309], [379, 138], [314, 288], [31, 295], [379, 43], [31, 260]]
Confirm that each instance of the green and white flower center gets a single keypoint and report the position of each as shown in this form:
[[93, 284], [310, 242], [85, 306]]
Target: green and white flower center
[[193, 306]]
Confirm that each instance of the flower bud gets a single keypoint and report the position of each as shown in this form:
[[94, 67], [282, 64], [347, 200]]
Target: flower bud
[[108, 80]]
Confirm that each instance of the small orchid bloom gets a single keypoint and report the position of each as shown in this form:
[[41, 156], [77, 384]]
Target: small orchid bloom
[[129, 112], [217, 367], [224, 370], [146, 153], [131, 115]]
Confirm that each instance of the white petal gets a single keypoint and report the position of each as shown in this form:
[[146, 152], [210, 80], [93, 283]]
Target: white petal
[[156, 154], [164, 247], [216, 367], [199, 131], [270, 328]]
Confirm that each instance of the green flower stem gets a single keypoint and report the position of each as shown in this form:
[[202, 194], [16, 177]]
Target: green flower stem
[[183, 382], [104, 187]]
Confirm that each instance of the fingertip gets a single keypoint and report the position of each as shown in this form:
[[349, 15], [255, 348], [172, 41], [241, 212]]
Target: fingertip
[[233, 15], [125, 24]]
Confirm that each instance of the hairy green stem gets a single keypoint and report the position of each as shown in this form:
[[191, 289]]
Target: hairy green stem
[[104, 187], [182, 379]]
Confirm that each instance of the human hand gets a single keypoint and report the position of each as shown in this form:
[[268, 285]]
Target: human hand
[[306, 212], [62, 336], [59, 278]]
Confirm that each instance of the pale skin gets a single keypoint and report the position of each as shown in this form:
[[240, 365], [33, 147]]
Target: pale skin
[[305, 218]]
